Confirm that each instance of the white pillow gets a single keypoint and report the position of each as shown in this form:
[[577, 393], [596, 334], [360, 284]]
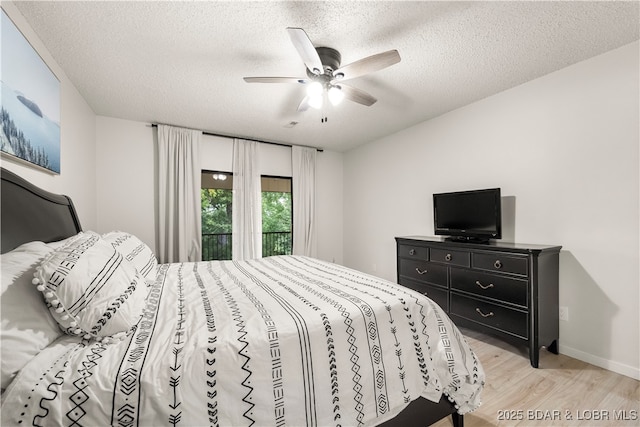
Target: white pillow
[[91, 290], [135, 251], [27, 325], [60, 243]]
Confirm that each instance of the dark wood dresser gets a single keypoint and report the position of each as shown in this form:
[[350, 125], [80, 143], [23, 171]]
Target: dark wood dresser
[[506, 289]]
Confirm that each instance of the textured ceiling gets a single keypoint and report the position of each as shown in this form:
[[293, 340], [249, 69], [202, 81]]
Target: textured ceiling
[[182, 63]]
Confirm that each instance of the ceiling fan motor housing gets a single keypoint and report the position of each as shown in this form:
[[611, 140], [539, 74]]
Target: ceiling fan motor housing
[[330, 59]]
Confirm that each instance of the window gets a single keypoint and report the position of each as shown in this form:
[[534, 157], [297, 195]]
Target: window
[[276, 216], [216, 198]]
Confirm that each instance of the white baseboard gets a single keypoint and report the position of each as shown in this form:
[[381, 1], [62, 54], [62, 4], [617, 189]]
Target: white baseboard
[[610, 365]]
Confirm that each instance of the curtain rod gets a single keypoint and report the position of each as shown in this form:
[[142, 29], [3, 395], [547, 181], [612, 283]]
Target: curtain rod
[[282, 144]]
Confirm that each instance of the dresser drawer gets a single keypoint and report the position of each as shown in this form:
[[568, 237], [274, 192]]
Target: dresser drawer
[[498, 262], [439, 295], [423, 271], [496, 286], [417, 252], [460, 258], [495, 316]]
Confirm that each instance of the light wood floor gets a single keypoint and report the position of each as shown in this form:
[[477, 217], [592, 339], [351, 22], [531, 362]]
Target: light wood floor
[[562, 392]]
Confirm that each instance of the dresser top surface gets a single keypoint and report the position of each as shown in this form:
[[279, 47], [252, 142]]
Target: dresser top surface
[[492, 244]]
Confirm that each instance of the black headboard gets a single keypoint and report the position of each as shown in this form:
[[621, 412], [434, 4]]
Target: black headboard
[[30, 213]]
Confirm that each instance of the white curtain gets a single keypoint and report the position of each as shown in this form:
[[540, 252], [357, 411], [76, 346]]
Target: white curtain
[[303, 160], [247, 201], [179, 226]]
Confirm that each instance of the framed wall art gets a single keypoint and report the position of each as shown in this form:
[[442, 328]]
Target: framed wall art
[[30, 114]]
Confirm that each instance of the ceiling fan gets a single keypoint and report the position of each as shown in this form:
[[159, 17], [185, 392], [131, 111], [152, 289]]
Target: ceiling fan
[[325, 75]]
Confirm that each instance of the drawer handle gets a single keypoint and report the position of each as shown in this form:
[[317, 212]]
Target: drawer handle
[[448, 257], [484, 315], [421, 271], [497, 264], [490, 285], [412, 252]]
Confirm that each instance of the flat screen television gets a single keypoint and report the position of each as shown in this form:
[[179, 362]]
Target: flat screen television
[[474, 216]]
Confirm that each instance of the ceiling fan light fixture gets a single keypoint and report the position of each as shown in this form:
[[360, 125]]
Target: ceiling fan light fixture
[[336, 95], [315, 89], [315, 101]]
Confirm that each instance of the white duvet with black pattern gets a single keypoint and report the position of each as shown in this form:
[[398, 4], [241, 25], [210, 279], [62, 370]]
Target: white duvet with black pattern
[[277, 341]]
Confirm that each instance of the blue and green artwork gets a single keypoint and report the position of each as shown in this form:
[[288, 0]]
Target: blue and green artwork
[[30, 113]]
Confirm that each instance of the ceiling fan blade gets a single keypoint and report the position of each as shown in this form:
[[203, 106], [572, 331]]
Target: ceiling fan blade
[[367, 65], [274, 80], [357, 95], [306, 50], [304, 104]]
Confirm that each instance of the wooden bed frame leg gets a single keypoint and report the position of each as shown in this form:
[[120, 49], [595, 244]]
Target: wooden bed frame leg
[[458, 420]]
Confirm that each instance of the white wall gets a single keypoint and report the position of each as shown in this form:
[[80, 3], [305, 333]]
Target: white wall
[[126, 178], [127, 187], [564, 148], [77, 138]]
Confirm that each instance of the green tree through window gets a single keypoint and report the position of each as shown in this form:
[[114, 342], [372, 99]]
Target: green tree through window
[[216, 223], [276, 223]]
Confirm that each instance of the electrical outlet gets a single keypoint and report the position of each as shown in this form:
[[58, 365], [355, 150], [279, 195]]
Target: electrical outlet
[[564, 313]]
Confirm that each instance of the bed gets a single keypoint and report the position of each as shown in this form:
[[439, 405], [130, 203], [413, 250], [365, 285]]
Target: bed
[[95, 332]]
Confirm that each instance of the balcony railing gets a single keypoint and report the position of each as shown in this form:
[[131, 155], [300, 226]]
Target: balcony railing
[[217, 246]]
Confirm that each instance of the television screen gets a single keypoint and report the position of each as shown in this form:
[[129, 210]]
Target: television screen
[[471, 215]]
